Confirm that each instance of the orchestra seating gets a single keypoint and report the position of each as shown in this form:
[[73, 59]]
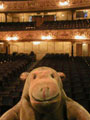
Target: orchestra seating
[[11, 66], [77, 82]]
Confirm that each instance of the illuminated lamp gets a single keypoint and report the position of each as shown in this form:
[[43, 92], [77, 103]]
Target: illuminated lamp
[[46, 37], [84, 44], [36, 43], [9, 38], [64, 3], [15, 38], [43, 37], [80, 37], [1, 6], [49, 37]]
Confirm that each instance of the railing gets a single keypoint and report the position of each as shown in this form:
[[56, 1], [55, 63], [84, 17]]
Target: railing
[[75, 24], [17, 26], [16, 0]]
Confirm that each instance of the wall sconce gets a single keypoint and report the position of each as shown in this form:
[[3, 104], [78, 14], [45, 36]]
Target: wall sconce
[[8, 38], [36, 43], [64, 3], [14, 38], [46, 37], [1, 6], [80, 37], [84, 44]]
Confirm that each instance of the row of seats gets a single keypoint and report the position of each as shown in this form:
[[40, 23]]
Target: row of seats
[[77, 83], [15, 56], [17, 26], [70, 24], [10, 84], [74, 24]]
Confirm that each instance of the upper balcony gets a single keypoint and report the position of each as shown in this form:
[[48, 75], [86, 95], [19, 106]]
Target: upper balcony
[[47, 25], [42, 5], [74, 24], [12, 26]]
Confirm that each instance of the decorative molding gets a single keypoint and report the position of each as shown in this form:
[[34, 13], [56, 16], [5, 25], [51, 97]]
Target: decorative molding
[[57, 35], [42, 5]]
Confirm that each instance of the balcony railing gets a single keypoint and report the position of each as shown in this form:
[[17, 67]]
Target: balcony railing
[[51, 25], [17, 26], [74, 24]]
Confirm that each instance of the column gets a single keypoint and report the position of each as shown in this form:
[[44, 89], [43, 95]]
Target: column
[[6, 17]]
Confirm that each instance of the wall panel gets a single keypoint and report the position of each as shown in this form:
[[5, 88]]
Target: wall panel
[[42, 48]]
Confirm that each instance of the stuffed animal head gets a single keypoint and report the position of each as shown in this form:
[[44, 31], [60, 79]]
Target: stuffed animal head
[[44, 89]]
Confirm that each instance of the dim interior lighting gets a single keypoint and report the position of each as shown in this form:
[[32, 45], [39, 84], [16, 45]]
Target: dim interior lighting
[[36, 43], [14, 38], [80, 37], [46, 37], [1, 6], [64, 3]]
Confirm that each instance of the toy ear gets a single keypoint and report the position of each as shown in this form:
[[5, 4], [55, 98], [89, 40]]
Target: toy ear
[[62, 75], [24, 76]]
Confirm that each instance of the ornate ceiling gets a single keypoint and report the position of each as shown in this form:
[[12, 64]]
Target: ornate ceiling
[[42, 5]]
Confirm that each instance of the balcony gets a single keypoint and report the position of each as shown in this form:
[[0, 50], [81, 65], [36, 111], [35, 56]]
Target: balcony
[[12, 26], [47, 25]]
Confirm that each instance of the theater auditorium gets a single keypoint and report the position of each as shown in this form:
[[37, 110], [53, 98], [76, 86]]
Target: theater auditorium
[[51, 33]]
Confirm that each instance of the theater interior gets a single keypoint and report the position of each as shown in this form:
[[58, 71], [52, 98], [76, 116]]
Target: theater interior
[[52, 33]]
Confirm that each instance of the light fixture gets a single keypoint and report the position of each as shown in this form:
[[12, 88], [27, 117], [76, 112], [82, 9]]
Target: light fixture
[[63, 15], [46, 37], [84, 44], [64, 3], [43, 37], [36, 43], [8, 38], [80, 37], [1, 6], [49, 37], [14, 38]]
